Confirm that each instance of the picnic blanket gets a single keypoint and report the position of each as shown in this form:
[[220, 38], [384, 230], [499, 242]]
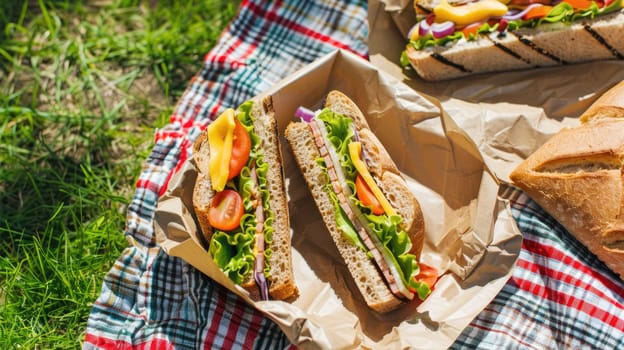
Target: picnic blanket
[[559, 296]]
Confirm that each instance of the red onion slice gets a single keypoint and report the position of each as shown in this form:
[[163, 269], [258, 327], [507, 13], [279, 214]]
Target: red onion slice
[[513, 15], [443, 29], [305, 114], [423, 27]]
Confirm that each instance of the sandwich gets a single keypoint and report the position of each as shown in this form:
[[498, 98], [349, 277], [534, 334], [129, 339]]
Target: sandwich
[[240, 202], [374, 220], [577, 176], [457, 38]]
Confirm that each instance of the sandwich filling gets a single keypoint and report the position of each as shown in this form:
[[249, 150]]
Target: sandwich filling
[[447, 23], [369, 221], [242, 218]]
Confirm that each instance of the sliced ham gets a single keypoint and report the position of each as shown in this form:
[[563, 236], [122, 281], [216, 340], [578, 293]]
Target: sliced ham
[[259, 239]]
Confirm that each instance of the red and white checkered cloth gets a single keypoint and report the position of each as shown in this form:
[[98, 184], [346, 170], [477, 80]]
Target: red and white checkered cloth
[[559, 296]]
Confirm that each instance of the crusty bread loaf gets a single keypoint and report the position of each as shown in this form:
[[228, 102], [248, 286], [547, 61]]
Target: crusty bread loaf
[[546, 45], [282, 284], [363, 269], [608, 105], [578, 177]]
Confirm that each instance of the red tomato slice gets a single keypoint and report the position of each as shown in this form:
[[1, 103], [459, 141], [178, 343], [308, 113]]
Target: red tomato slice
[[226, 210], [428, 274], [366, 196], [537, 12], [579, 4], [471, 29], [241, 146]]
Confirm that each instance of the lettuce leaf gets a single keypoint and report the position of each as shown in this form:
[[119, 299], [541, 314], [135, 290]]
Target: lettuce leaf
[[233, 254], [342, 221], [340, 134], [422, 289]]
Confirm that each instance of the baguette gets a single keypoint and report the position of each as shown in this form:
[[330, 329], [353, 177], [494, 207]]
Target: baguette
[[608, 105], [347, 222], [506, 42], [240, 265], [578, 178]]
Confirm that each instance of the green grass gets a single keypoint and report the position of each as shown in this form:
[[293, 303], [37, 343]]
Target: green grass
[[82, 88]]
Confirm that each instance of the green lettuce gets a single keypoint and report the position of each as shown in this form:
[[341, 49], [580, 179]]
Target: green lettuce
[[342, 221], [233, 254], [233, 251]]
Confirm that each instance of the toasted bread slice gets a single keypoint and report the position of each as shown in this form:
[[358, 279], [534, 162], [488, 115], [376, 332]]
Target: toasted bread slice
[[564, 43], [466, 58], [364, 271], [609, 28]]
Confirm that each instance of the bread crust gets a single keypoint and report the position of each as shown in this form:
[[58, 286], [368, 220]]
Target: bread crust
[[202, 191], [364, 270], [389, 179], [608, 105], [578, 177], [282, 285]]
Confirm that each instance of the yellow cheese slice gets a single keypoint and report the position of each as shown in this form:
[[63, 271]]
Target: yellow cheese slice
[[470, 13], [355, 148], [220, 139]]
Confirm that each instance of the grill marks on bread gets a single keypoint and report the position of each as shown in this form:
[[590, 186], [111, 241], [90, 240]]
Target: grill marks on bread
[[548, 45], [603, 41]]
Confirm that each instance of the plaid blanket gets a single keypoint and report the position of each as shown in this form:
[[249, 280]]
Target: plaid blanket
[[559, 296]]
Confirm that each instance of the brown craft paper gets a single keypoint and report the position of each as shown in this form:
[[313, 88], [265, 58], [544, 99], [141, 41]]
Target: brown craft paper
[[471, 237], [507, 114]]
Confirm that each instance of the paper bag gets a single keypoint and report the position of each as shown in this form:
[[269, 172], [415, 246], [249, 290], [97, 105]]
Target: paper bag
[[470, 236]]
